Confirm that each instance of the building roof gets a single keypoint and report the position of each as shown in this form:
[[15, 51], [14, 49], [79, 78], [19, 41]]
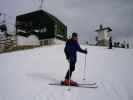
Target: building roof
[[106, 28], [103, 28], [35, 15]]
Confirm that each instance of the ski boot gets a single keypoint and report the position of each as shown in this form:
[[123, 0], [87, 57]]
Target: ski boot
[[69, 82]]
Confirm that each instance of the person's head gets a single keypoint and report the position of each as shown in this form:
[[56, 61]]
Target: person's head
[[75, 36]]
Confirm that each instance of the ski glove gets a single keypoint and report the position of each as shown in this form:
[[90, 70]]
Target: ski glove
[[85, 51]]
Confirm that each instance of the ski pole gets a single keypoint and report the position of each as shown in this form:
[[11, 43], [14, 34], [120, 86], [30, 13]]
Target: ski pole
[[84, 68]]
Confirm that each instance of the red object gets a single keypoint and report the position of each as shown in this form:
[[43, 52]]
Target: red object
[[69, 82]]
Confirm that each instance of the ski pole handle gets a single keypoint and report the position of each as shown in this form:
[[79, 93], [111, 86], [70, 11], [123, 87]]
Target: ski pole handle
[[86, 51]]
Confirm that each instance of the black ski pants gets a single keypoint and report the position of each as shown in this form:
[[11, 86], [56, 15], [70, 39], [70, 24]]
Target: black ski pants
[[70, 70]]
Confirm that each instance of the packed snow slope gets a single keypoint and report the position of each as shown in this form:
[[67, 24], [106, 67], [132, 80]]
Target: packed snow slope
[[25, 75]]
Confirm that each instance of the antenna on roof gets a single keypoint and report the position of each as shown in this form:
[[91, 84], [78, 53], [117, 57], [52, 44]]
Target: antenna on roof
[[41, 4]]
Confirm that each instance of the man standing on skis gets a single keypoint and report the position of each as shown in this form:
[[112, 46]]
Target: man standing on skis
[[71, 48]]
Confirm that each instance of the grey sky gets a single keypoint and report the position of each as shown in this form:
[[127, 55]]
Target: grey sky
[[82, 16]]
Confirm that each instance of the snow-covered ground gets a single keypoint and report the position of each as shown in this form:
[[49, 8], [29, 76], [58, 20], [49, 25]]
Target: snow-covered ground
[[25, 75]]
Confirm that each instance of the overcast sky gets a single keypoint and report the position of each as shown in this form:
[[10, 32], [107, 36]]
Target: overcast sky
[[81, 16]]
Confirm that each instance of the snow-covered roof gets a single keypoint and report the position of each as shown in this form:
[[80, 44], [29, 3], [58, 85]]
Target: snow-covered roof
[[103, 28]]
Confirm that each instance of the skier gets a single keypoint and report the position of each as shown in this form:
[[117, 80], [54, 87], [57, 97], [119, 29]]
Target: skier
[[71, 48], [110, 43]]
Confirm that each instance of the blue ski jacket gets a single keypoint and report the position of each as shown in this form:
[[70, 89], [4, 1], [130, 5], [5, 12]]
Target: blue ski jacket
[[71, 49]]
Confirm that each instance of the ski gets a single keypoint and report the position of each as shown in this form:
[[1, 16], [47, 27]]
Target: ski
[[79, 85], [88, 83], [94, 83]]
